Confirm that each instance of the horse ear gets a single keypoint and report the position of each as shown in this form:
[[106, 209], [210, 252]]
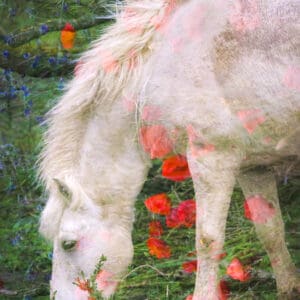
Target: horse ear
[[63, 190]]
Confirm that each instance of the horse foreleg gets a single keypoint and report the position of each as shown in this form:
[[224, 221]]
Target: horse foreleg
[[213, 178], [271, 232]]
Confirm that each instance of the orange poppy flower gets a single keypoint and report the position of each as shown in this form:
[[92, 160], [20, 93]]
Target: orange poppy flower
[[158, 248], [190, 266], [83, 284], [155, 229], [155, 140], [176, 168], [159, 204], [67, 36], [237, 271], [258, 209]]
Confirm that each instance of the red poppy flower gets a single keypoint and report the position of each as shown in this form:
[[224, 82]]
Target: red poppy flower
[[158, 248], [258, 209], [159, 204], [190, 266], [67, 36], [176, 168], [172, 219], [155, 140], [189, 297], [183, 215], [223, 290], [187, 212], [155, 229], [237, 271]]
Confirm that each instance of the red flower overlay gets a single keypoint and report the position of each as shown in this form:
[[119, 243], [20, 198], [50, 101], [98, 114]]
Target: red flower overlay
[[190, 266], [155, 140], [158, 248], [258, 209], [251, 118], [176, 168], [183, 215], [237, 271], [155, 229], [159, 204]]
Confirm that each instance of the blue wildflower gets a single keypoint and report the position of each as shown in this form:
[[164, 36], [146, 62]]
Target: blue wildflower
[[8, 39], [40, 120], [1, 165], [44, 28], [52, 60], [63, 60], [65, 6], [27, 111], [13, 92], [50, 255], [25, 90], [36, 61], [7, 72], [5, 54], [26, 55], [16, 240]]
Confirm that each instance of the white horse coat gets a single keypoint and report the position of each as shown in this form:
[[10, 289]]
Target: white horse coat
[[222, 75]]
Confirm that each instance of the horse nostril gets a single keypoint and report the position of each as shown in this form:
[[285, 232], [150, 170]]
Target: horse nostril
[[68, 245]]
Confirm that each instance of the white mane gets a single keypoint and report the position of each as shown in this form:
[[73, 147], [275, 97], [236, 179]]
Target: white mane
[[97, 84]]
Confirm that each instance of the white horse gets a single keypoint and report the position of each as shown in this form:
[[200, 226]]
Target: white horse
[[223, 79]]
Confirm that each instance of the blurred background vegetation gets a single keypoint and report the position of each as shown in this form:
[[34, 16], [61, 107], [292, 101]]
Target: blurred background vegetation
[[33, 70]]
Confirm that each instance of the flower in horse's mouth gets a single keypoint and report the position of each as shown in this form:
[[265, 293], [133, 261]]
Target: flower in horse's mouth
[[176, 168], [155, 229], [83, 284], [158, 248], [159, 204], [237, 271], [258, 209]]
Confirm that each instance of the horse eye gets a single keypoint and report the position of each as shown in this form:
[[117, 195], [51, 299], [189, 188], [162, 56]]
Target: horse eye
[[63, 189], [68, 245]]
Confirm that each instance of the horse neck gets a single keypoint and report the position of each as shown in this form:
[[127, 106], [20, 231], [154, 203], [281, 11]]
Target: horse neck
[[111, 167]]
